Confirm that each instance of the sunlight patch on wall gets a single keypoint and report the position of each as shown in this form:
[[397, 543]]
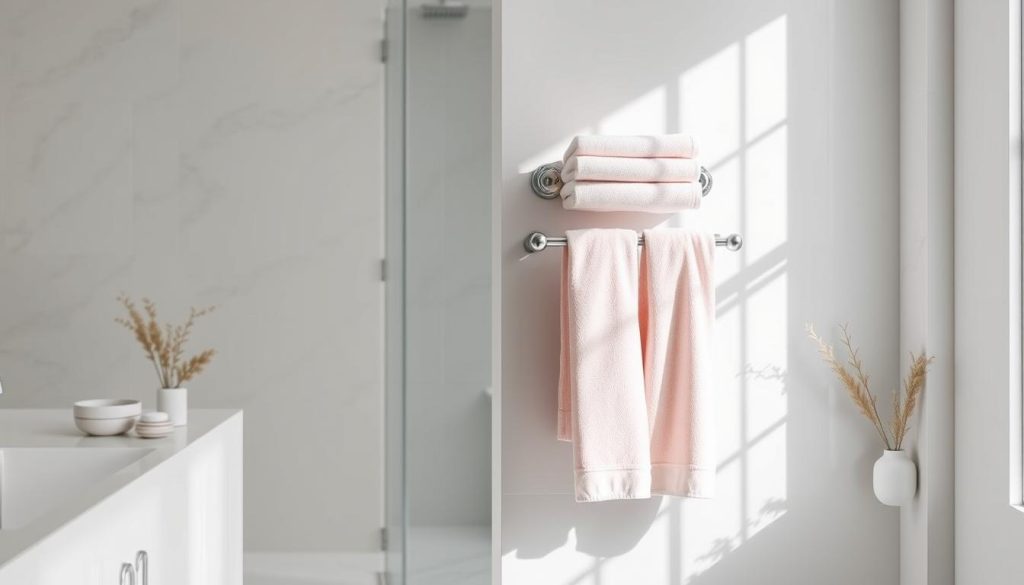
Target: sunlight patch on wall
[[764, 372], [713, 528], [643, 115], [766, 209], [765, 376], [766, 494], [710, 104], [765, 78], [737, 102]]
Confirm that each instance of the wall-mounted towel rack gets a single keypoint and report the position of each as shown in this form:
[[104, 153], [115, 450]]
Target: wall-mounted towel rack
[[538, 241], [546, 180]]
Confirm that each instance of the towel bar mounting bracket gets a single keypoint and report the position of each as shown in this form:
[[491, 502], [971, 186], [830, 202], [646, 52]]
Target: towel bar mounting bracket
[[546, 180]]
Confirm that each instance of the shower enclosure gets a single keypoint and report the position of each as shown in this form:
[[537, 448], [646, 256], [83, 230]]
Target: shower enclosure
[[439, 293]]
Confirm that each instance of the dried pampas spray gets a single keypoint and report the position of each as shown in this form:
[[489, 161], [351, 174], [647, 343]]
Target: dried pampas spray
[[855, 381]]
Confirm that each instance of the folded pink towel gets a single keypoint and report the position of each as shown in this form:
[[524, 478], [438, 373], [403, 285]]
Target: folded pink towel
[[635, 170], [648, 197], [677, 313], [658, 146], [601, 401]]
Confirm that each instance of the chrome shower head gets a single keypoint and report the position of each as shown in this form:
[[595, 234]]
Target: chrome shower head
[[444, 9]]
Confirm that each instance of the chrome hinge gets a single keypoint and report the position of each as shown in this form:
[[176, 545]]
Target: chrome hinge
[[384, 538], [383, 50], [383, 270]]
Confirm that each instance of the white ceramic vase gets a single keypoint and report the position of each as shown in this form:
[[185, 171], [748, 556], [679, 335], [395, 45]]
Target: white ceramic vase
[[173, 401], [895, 478]]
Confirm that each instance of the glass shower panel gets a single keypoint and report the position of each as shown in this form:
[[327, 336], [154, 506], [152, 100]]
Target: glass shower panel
[[439, 468]]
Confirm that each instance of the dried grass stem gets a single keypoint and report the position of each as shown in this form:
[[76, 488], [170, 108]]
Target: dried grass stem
[[165, 345], [857, 385]]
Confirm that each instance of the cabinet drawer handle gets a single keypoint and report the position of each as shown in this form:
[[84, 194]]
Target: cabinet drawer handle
[[127, 574], [142, 566]]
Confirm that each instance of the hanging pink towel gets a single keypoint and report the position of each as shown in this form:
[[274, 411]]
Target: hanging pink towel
[[677, 314], [656, 146], [601, 400]]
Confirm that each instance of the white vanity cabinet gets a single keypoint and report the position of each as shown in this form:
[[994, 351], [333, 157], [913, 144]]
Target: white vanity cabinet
[[185, 511]]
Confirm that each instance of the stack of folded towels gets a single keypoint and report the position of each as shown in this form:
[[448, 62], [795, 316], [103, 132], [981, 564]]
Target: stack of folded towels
[[656, 174]]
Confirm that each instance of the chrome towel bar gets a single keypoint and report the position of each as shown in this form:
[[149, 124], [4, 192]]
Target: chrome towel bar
[[538, 241]]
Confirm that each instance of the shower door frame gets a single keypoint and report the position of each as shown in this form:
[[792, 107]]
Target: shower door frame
[[393, 533]]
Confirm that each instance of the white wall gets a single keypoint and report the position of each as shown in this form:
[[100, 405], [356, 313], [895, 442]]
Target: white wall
[[987, 268], [448, 268], [797, 105], [221, 152]]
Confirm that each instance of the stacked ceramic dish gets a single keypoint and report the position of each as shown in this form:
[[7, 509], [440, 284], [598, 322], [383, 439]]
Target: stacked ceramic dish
[[104, 417], [154, 425]]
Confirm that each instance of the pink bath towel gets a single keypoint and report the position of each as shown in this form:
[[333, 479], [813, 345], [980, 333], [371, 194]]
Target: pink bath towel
[[630, 170], [677, 313], [601, 400], [660, 145], [645, 197]]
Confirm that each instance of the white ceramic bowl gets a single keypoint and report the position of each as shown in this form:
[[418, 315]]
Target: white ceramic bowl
[[105, 408], [103, 427]]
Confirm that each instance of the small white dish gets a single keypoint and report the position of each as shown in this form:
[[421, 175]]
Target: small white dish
[[104, 427], [153, 417], [154, 425], [154, 430], [106, 408]]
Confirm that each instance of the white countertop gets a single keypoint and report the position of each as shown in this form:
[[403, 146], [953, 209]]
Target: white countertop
[[55, 428]]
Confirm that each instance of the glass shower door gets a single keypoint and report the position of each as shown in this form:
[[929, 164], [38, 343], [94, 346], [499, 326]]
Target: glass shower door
[[439, 306]]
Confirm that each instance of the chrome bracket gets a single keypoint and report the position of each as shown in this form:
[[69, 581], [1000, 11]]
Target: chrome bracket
[[546, 180]]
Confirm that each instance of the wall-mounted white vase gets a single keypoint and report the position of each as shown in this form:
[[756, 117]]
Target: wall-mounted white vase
[[173, 401], [895, 478]]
